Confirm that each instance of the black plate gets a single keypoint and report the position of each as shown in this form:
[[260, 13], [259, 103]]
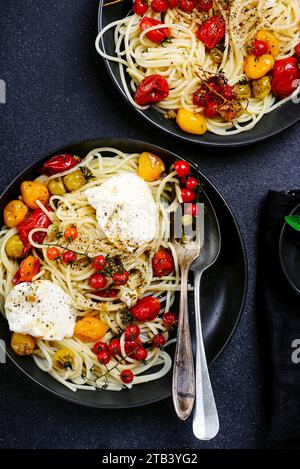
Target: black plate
[[289, 253], [271, 124], [223, 293]]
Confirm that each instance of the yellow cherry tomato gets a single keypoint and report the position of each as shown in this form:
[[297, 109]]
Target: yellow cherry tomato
[[151, 167], [258, 67], [14, 247], [32, 191], [90, 329], [22, 344], [270, 39], [74, 181], [191, 122], [56, 186], [63, 359], [14, 212]]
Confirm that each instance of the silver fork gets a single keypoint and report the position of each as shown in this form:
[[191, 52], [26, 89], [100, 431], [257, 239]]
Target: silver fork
[[183, 387]]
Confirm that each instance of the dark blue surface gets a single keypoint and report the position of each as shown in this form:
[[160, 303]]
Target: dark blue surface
[[58, 92]]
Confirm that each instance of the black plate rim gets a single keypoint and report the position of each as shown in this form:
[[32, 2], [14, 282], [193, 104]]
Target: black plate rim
[[281, 256], [245, 267], [224, 144]]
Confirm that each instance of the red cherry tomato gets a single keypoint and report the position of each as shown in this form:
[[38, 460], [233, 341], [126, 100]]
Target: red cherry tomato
[[59, 164], [99, 263], [297, 51], [157, 35], [192, 209], [182, 168], [158, 340], [109, 293], [97, 281], [120, 278], [285, 77], [146, 309], [212, 31], [191, 183], [132, 332], [187, 5], [160, 5], [71, 233], [99, 347], [53, 253], [173, 3], [205, 5], [114, 347], [35, 219], [187, 195], [131, 346], [152, 89], [212, 109], [127, 376], [259, 48], [228, 92], [69, 257], [103, 357], [201, 96], [162, 263], [169, 319], [140, 7], [141, 354]]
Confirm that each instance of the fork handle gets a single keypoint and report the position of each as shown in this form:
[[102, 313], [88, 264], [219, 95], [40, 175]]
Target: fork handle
[[183, 388], [205, 420]]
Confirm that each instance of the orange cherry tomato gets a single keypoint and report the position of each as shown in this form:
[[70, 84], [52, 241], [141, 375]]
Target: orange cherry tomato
[[28, 269], [71, 233], [53, 253]]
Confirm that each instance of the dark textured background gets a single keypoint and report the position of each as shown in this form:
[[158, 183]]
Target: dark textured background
[[58, 92]]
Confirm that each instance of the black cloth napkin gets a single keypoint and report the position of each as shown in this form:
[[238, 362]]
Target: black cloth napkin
[[279, 316]]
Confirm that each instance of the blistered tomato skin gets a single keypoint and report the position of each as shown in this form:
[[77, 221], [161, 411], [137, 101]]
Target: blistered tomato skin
[[212, 31], [140, 7], [146, 309], [14, 213], [162, 264], [190, 122], [32, 191], [286, 77], [151, 89], [157, 35], [257, 67], [59, 164]]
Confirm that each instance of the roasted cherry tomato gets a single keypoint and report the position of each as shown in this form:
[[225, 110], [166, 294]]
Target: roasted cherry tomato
[[90, 329], [97, 281], [173, 3], [120, 278], [68, 257], [99, 347], [71, 233], [152, 89], [59, 164], [151, 167], [140, 7], [103, 357], [212, 109], [259, 48], [131, 346], [127, 376], [182, 168], [140, 354], [157, 35], [36, 219], [114, 347], [132, 332], [160, 5], [146, 309], [53, 253], [169, 319], [29, 267], [212, 31], [158, 340], [201, 96], [63, 359], [14, 213], [286, 77], [162, 263], [187, 195], [99, 263], [297, 51], [32, 191], [205, 5], [187, 5], [191, 183], [258, 67]]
